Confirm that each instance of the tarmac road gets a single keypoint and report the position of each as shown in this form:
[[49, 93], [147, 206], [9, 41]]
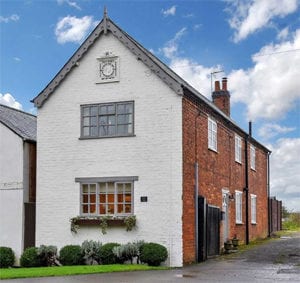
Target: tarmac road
[[275, 261]]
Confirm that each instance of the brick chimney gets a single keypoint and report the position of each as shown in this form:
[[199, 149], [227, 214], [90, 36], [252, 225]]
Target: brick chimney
[[221, 97]]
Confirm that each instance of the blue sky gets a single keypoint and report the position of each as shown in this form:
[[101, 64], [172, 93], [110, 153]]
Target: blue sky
[[255, 43]]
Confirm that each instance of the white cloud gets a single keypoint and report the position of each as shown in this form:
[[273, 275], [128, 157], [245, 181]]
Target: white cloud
[[17, 59], [12, 18], [70, 3], [169, 12], [171, 47], [271, 130], [250, 16], [283, 34], [9, 100], [285, 168], [194, 73], [72, 29], [271, 87]]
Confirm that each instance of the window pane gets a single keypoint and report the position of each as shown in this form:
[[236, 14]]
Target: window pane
[[129, 108], [93, 208], [102, 198], [110, 197], [120, 198], [93, 198], [103, 131], [111, 109], [102, 209], [94, 110], [86, 131], [85, 209], [111, 130], [93, 121], [85, 188], [93, 188], [103, 110], [102, 187], [85, 198], [111, 120], [86, 111], [94, 131], [103, 120], [128, 208], [128, 197], [121, 109], [122, 129], [110, 208], [86, 121], [128, 187], [120, 208]]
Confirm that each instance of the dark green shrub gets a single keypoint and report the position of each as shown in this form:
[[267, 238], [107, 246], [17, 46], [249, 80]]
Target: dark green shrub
[[30, 258], [153, 254], [7, 257], [106, 253], [91, 252], [71, 255], [48, 255]]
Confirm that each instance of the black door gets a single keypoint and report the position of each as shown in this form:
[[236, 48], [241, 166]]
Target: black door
[[213, 230]]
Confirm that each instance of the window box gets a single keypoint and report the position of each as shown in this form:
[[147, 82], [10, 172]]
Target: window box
[[103, 222]]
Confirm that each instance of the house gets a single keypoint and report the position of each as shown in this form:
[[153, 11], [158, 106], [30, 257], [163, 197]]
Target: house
[[120, 134], [17, 179]]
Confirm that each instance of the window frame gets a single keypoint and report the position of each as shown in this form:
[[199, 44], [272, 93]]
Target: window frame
[[238, 207], [212, 135], [97, 116], [252, 156], [106, 180], [253, 208], [238, 148]]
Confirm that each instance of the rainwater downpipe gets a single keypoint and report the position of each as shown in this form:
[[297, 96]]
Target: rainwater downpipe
[[268, 190], [247, 181], [196, 167]]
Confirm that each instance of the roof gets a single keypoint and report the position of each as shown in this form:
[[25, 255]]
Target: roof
[[174, 81], [21, 123]]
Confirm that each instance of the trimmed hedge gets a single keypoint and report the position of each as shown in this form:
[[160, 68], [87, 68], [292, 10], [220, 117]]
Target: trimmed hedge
[[71, 255], [30, 258], [7, 257], [153, 254], [106, 253]]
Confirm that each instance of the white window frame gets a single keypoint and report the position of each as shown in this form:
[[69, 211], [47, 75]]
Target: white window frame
[[252, 157], [238, 207], [97, 202], [212, 134], [253, 208], [238, 149]]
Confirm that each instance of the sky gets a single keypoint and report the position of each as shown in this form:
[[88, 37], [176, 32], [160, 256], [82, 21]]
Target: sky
[[254, 43]]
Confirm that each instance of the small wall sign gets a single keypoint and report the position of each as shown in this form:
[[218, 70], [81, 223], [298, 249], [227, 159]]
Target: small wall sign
[[144, 199]]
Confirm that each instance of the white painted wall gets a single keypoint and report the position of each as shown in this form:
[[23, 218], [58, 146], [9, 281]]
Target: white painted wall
[[154, 154], [11, 190]]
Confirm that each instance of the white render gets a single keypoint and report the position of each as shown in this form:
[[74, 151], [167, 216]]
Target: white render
[[154, 154], [11, 190]]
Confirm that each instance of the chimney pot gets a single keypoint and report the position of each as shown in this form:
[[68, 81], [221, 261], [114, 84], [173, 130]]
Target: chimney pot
[[217, 86], [224, 84]]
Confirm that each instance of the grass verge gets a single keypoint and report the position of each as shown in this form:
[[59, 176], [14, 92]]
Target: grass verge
[[12, 273]]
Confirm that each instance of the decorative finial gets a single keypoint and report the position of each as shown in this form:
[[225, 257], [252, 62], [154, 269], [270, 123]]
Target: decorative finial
[[105, 20], [105, 13]]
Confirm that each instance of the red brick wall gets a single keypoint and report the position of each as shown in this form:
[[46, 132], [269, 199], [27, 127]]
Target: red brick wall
[[217, 170]]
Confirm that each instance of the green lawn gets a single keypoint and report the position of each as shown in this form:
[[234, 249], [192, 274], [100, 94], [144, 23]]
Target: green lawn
[[10, 273]]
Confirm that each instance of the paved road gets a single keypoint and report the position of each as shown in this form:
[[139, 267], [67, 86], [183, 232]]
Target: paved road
[[275, 261]]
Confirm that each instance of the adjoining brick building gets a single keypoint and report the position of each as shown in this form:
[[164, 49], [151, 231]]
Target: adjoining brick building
[[121, 134]]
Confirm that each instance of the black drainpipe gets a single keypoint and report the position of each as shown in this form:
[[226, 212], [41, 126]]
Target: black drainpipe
[[268, 190], [246, 189]]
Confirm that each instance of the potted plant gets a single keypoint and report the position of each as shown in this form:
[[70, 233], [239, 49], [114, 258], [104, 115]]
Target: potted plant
[[235, 241], [227, 246]]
